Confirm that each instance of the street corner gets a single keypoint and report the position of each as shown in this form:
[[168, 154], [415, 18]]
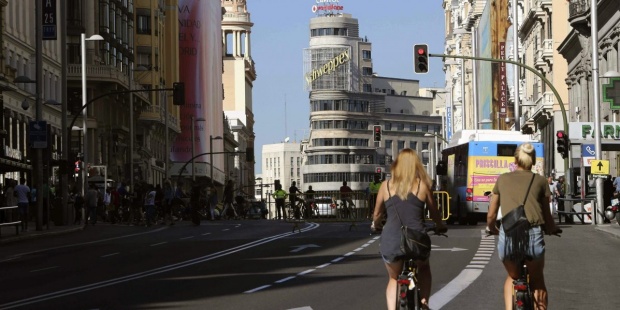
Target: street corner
[[612, 229]]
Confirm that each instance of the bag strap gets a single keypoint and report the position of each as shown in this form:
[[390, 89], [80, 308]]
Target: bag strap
[[528, 189]]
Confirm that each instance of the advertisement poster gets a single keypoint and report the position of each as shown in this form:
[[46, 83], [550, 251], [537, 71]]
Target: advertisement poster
[[484, 171], [200, 68]]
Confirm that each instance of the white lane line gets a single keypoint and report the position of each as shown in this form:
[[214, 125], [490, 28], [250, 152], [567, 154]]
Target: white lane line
[[312, 270], [226, 229], [108, 255], [42, 269], [186, 238], [151, 272], [285, 279], [156, 244], [206, 234], [258, 288], [463, 280]]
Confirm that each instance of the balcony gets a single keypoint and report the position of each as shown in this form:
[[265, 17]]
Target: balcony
[[156, 114], [104, 74], [578, 15]]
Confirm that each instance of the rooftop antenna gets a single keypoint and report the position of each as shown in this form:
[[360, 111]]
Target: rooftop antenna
[[285, 118]]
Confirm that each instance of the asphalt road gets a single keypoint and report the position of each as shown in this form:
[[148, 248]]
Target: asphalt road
[[264, 265]]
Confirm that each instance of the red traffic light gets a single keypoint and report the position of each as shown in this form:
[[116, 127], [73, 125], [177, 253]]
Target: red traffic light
[[560, 134], [377, 129], [421, 51]]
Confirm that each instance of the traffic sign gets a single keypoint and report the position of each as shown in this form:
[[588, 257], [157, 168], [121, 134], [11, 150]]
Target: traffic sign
[[600, 167], [48, 20], [38, 134]]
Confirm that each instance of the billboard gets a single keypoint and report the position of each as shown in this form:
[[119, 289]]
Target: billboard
[[327, 68], [484, 78], [200, 68]]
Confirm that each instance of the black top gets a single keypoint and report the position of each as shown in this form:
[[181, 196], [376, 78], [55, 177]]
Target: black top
[[411, 212]]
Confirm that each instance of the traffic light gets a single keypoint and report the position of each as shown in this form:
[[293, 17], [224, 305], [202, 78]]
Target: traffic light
[[378, 170], [377, 133], [178, 93], [420, 58], [562, 143]]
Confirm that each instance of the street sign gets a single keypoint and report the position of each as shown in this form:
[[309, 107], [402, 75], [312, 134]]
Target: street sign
[[600, 167], [38, 134], [587, 154], [49, 20], [611, 93]]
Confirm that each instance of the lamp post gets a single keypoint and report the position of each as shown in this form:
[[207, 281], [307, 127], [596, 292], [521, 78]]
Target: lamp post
[[83, 40], [193, 120], [211, 138], [436, 156]]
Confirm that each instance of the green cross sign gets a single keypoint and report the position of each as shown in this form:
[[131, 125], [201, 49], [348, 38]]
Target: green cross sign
[[611, 93]]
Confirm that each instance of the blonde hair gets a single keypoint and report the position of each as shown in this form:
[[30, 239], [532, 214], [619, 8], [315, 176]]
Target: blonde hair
[[525, 156], [406, 169]]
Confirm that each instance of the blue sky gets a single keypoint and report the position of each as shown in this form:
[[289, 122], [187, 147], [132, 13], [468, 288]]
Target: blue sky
[[280, 34]]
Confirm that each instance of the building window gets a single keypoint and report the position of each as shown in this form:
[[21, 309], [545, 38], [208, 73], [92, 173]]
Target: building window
[[388, 144], [367, 88], [400, 127], [143, 21], [388, 126], [366, 54], [367, 71], [413, 145], [412, 127], [401, 145]]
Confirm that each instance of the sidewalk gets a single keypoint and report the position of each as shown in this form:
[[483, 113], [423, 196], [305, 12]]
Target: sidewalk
[[8, 232], [612, 229]]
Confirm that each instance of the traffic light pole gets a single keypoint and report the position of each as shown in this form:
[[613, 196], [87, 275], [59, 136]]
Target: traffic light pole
[[542, 77]]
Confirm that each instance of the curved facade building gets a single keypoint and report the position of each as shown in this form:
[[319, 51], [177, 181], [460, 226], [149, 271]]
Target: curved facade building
[[346, 100]]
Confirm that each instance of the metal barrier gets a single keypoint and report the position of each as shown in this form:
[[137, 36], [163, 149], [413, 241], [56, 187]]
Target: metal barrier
[[330, 206], [442, 199]]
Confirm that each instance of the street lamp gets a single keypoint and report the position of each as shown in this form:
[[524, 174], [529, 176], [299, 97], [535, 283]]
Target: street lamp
[[83, 40], [211, 138], [429, 170], [193, 120]]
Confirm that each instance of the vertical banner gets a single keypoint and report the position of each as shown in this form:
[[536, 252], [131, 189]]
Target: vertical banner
[[503, 87], [200, 68]]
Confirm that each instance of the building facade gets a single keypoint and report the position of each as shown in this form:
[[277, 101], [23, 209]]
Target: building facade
[[282, 162], [238, 79], [347, 99]]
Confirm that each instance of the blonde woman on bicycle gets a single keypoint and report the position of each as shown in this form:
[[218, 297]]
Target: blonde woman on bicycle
[[407, 192], [508, 192]]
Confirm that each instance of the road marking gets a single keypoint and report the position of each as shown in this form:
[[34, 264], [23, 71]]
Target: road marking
[[186, 238], [335, 260], [156, 244], [158, 270], [206, 234], [303, 247], [465, 278], [449, 249], [42, 269], [226, 229], [108, 255]]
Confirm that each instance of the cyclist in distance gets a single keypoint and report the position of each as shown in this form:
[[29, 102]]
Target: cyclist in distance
[[292, 197], [309, 195], [509, 191], [403, 198]]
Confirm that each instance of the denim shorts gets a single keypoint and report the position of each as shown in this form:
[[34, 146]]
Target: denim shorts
[[536, 250]]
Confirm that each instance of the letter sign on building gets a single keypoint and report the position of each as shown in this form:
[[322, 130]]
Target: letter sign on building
[[48, 20]]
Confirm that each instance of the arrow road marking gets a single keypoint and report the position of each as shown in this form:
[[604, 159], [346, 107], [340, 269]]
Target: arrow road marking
[[300, 248]]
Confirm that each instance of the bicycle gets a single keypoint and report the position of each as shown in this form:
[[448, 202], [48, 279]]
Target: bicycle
[[522, 297], [407, 291], [294, 212]]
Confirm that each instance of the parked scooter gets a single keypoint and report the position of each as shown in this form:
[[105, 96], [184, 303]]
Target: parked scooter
[[613, 211]]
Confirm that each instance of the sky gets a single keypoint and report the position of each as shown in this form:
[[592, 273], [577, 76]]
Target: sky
[[281, 33]]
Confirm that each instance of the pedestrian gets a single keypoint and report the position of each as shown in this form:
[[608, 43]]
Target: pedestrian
[[115, 204], [91, 199], [78, 207], [292, 198], [403, 197], [22, 191], [510, 191], [149, 204], [107, 203], [211, 199], [345, 196], [309, 203], [373, 187], [560, 194], [280, 196], [167, 203], [553, 201], [229, 195]]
